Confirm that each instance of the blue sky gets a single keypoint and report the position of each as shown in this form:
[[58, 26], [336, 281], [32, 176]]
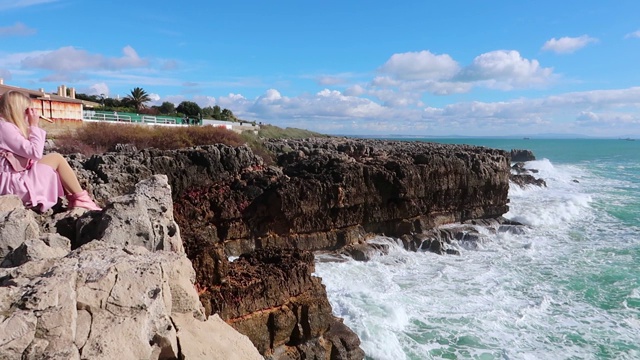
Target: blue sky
[[347, 67]]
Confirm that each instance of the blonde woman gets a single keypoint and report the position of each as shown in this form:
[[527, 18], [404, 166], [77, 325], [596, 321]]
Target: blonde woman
[[38, 180]]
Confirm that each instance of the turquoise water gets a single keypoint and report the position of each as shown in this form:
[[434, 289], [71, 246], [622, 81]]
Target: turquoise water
[[569, 288]]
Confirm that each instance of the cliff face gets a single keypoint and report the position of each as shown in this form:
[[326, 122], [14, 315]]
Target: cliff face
[[323, 194], [124, 292]]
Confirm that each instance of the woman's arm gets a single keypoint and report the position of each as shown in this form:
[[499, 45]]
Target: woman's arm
[[11, 139]]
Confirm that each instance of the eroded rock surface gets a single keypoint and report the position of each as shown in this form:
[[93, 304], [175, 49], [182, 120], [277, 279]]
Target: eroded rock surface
[[110, 298], [323, 194], [272, 297]]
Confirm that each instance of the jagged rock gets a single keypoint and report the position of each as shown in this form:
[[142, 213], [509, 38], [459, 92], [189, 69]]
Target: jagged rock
[[520, 155], [105, 300], [324, 194], [526, 179], [272, 297], [364, 251], [117, 290], [48, 246], [143, 218], [519, 168], [17, 224]]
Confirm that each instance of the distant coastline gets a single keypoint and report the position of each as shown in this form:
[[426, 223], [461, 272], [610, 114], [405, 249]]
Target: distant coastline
[[510, 137]]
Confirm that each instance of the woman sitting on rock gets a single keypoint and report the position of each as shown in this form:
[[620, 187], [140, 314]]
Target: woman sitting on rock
[[38, 180]]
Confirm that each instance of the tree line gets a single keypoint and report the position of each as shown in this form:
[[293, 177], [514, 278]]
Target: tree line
[[137, 99]]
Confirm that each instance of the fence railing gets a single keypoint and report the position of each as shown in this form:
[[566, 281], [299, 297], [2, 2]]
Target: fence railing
[[92, 115], [157, 120], [116, 117]]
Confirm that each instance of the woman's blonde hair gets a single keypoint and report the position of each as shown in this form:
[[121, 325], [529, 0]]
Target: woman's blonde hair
[[13, 106]]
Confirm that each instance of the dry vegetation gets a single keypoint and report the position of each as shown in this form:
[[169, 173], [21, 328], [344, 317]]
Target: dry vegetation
[[96, 138]]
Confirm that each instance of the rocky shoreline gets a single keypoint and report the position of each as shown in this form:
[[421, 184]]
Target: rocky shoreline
[[321, 195]]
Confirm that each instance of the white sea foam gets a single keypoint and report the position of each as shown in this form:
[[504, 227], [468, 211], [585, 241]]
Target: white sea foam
[[528, 296]]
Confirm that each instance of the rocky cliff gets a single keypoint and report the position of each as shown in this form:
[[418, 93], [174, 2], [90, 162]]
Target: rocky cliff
[[322, 194], [124, 292]]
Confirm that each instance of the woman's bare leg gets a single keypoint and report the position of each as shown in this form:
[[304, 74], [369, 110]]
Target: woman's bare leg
[[67, 176]]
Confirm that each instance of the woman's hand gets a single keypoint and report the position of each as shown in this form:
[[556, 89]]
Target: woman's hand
[[32, 117]]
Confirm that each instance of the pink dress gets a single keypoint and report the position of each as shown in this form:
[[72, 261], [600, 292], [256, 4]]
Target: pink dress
[[39, 183]]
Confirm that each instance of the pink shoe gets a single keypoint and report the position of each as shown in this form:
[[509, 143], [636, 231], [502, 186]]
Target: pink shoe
[[82, 200]]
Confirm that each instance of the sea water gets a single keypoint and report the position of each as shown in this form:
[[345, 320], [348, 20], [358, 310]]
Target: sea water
[[568, 288]]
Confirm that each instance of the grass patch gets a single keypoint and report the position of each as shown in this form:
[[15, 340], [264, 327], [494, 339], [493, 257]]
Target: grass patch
[[274, 132]]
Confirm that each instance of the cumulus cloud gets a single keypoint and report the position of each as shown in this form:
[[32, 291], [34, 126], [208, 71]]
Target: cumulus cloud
[[69, 59], [505, 69], [17, 29], [325, 104], [567, 45], [204, 101], [153, 97], [601, 112], [594, 112], [355, 90], [423, 72], [99, 89], [421, 65], [631, 35]]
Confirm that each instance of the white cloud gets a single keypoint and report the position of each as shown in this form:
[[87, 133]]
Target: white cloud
[[355, 90], [13, 4], [328, 105], [69, 59], [566, 45], [618, 108], [5, 74], [17, 29], [421, 65], [608, 120], [235, 102], [503, 69], [424, 72], [154, 97], [635, 34], [98, 89], [204, 101], [600, 112], [330, 80], [175, 99], [15, 59]]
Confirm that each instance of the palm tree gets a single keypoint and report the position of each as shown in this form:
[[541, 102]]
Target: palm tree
[[138, 97]]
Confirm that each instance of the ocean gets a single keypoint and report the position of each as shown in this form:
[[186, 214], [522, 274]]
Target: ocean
[[568, 288]]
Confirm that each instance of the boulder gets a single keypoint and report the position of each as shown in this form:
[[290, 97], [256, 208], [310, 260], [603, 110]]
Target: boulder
[[142, 218], [212, 339], [523, 180], [521, 155], [17, 224]]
